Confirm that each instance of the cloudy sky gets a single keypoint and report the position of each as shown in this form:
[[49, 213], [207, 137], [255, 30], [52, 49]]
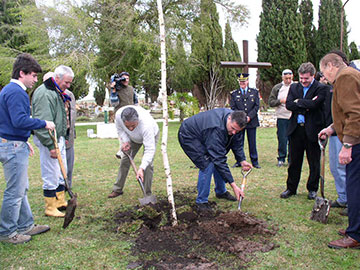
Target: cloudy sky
[[250, 31]]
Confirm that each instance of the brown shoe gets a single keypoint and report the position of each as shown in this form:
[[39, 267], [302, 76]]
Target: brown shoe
[[342, 232], [16, 239], [36, 229], [346, 242], [114, 194]]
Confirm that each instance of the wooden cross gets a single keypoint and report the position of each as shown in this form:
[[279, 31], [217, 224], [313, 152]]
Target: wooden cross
[[245, 64]]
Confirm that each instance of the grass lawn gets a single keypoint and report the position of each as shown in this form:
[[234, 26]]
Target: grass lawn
[[91, 241]]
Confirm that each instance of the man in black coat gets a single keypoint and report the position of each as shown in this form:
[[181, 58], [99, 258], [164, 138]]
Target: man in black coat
[[247, 99], [206, 138], [306, 101]]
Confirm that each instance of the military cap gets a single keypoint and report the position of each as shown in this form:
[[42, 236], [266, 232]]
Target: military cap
[[243, 76]]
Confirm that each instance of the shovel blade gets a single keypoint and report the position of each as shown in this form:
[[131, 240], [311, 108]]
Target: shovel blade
[[320, 210], [147, 200], [70, 211]]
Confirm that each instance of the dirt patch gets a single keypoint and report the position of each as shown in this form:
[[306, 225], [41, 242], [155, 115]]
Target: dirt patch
[[201, 240]]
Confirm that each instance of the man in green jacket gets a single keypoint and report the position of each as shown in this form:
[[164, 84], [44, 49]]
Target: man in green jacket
[[49, 102]]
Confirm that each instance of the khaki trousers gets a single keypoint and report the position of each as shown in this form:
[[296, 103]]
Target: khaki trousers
[[124, 170]]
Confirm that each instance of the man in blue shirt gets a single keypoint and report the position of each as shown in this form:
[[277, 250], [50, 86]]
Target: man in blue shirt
[[16, 219], [305, 100]]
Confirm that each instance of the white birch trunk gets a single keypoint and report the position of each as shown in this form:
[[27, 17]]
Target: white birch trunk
[[165, 114]]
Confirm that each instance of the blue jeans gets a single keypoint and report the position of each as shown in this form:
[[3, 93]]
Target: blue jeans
[[283, 140], [338, 171], [204, 182], [15, 211]]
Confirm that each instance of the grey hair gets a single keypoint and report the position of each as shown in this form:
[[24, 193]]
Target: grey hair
[[62, 70], [129, 114], [307, 68]]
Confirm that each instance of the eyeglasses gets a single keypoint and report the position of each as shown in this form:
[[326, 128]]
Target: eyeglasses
[[287, 73]]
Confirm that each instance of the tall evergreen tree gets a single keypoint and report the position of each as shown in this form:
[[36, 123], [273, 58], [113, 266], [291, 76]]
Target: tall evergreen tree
[[280, 41], [328, 34], [306, 10], [11, 38], [178, 67], [354, 52], [207, 51], [231, 53]]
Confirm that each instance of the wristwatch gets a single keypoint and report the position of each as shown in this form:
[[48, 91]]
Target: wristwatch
[[347, 145]]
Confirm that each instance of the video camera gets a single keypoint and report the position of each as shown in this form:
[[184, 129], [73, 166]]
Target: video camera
[[118, 79]]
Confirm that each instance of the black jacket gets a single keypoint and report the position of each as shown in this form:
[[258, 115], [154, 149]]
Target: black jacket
[[311, 106], [249, 103], [205, 139]]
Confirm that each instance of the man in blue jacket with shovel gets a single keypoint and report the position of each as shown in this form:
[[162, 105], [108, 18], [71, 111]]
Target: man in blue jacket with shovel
[[206, 138]]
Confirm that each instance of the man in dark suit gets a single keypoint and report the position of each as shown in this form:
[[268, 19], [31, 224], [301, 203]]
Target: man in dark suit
[[305, 100], [247, 99]]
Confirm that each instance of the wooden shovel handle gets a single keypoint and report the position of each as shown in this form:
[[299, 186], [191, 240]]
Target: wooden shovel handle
[[61, 163]]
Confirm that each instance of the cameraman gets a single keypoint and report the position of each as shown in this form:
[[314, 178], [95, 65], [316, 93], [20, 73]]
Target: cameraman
[[121, 94]]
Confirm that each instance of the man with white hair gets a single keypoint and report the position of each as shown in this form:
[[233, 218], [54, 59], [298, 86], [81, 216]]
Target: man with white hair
[[49, 102]]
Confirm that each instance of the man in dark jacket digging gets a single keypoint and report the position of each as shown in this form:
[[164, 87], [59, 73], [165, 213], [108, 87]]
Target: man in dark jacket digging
[[206, 138]]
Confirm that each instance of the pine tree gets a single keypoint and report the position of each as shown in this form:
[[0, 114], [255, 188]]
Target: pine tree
[[11, 39], [178, 67], [328, 34], [354, 52], [207, 52], [306, 10], [231, 53], [280, 41]]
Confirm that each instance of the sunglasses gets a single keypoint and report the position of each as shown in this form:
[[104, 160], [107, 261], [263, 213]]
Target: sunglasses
[[287, 73]]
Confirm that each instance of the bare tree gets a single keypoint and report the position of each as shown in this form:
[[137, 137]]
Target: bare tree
[[212, 88], [165, 114]]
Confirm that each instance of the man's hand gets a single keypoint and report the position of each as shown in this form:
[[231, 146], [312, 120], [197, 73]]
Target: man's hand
[[345, 155], [246, 165], [50, 125], [125, 147], [31, 149], [248, 119], [283, 100], [237, 191], [326, 132], [53, 153], [140, 174]]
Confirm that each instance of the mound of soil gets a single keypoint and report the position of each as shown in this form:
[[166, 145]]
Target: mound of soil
[[199, 237]]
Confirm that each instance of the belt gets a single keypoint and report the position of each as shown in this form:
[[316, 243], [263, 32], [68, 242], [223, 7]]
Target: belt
[[301, 124]]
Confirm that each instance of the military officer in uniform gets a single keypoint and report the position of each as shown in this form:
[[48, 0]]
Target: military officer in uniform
[[247, 99]]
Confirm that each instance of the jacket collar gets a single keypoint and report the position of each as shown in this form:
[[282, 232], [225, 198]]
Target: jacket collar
[[49, 84]]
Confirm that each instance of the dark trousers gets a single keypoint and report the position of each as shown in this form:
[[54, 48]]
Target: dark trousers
[[251, 137], [282, 126], [299, 143], [353, 193]]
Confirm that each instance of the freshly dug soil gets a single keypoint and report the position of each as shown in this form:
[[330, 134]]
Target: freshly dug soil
[[201, 240]]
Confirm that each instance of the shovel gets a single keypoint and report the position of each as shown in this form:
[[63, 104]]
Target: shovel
[[147, 199], [243, 184], [320, 211], [72, 203]]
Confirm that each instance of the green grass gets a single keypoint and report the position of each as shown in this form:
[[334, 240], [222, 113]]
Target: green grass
[[91, 241]]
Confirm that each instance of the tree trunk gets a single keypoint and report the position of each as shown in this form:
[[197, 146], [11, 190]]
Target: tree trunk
[[165, 114]]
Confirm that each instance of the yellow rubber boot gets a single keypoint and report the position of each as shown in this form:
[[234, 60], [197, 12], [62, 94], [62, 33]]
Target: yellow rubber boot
[[61, 203], [51, 209]]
